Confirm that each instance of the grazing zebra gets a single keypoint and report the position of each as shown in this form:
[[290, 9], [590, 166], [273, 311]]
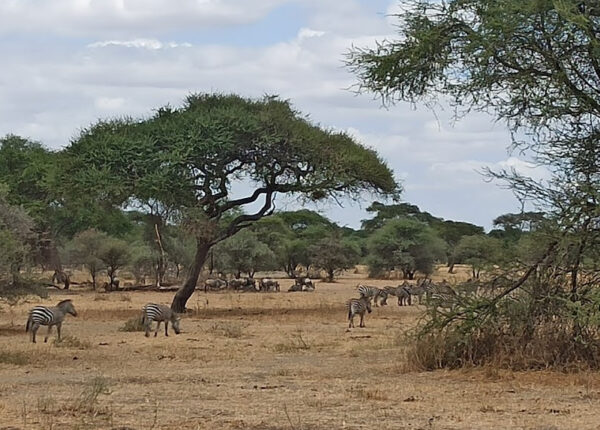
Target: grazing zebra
[[54, 316], [358, 306], [268, 284], [153, 312], [214, 284], [373, 293], [403, 292]]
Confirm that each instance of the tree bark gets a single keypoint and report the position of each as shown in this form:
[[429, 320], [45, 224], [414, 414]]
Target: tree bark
[[330, 275], [450, 267], [186, 291], [160, 269]]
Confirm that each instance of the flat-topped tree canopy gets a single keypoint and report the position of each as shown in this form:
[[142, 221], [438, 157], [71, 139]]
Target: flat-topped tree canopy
[[187, 158]]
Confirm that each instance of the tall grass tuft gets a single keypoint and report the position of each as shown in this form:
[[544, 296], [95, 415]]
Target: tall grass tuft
[[133, 324]]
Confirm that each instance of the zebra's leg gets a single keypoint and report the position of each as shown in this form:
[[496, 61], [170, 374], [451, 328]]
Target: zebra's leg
[[58, 327], [48, 334], [362, 320], [157, 326], [147, 327], [351, 323], [34, 330], [166, 328]]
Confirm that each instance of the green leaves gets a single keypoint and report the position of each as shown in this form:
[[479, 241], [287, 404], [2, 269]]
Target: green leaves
[[405, 244], [188, 158]]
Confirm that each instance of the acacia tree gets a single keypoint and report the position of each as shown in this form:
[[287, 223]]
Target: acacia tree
[[405, 244], [85, 248], [244, 252], [17, 245], [479, 251], [187, 159], [333, 254], [535, 66], [115, 255]]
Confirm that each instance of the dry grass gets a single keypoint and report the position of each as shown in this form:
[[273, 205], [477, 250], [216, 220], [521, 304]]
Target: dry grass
[[15, 358], [71, 342], [232, 330], [264, 361], [133, 324]]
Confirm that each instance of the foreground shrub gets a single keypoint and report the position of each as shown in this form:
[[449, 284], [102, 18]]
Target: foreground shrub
[[535, 323]]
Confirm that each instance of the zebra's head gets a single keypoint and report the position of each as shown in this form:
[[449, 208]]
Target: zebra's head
[[67, 307], [175, 323]]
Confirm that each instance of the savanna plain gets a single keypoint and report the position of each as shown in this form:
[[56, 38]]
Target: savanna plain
[[262, 361]]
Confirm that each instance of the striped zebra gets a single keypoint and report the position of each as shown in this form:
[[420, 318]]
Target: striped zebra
[[153, 312], [50, 316], [373, 293], [358, 307], [402, 292]]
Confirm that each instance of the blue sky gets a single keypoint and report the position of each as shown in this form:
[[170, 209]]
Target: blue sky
[[69, 62]]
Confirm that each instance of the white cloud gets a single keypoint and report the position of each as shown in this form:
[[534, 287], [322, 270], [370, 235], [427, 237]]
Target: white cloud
[[127, 17], [306, 33], [152, 44], [109, 103]]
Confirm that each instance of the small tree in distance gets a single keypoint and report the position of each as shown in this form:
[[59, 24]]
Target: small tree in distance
[[333, 254], [480, 252], [115, 255], [85, 249], [405, 244]]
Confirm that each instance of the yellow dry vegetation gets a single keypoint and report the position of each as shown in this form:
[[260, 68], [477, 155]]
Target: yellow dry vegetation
[[262, 361]]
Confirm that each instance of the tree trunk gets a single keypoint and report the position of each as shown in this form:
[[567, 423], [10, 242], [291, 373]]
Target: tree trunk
[[450, 267], [186, 291], [330, 275], [49, 254], [211, 263]]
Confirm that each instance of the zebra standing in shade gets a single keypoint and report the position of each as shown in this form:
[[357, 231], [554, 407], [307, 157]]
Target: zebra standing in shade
[[358, 307], [50, 316], [153, 312], [373, 293]]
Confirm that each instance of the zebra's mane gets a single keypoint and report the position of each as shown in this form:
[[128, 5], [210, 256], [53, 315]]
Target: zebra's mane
[[62, 302]]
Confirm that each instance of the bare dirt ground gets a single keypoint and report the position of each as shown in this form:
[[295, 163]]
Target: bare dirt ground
[[262, 361]]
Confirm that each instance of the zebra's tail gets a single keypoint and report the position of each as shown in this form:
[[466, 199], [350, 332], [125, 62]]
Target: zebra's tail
[[143, 318], [349, 311], [28, 325]]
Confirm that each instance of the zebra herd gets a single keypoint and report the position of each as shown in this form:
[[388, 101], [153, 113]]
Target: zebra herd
[[264, 285], [152, 312], [403, 292]]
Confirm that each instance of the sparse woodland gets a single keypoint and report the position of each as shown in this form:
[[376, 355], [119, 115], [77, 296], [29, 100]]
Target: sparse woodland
[[176, 212], [147, 203]]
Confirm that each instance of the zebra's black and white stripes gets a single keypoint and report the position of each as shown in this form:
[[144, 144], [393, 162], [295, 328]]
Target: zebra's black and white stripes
[[49, 316], [373, 293], [358, 307], [153, 312]]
